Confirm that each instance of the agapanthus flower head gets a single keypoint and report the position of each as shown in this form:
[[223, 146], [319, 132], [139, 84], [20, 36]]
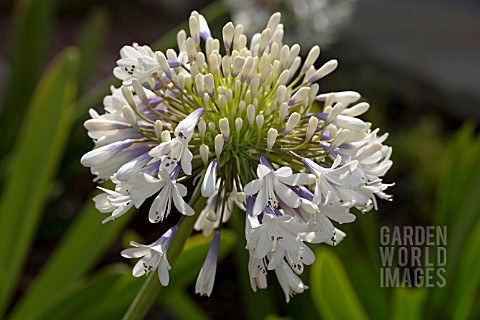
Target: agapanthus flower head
[[245, 127]]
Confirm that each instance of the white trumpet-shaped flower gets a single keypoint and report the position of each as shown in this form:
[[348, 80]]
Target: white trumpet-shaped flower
[[153, 256], [272, 183], [170, 191]]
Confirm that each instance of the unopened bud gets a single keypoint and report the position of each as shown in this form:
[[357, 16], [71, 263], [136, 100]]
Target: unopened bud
[[219, 141], [260, 120], [204, 153], [271, 137], [251, 114], [129, 114], [311, 58], [202, 127], [324, 70], [228, 31], [127, 94], [166, 137], [209, 84], [291, 122], [158, 128], [224, 128], [162, 61], [138, 87], [312, 126], [200, 84], [238, 124]]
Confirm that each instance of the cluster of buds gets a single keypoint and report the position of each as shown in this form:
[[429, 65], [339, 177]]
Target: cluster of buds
[[250, 130]]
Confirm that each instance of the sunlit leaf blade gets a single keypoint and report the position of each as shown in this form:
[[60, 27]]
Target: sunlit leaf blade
[[458, 207], [105, 295], [91, 44], [38, 151], [453, 173], [32, 21], [465, 293], [331, 290], [408, 303], [364, 233], [83, 246]]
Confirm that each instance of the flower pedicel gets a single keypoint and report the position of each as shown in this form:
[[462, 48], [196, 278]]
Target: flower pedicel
[[248, 127]]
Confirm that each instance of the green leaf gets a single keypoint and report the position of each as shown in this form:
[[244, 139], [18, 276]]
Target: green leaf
[[458, 207], [408, 303], [38, 151], [466, 286], [85, 293], [331, 290], [453, 173], [182, 306], [83, 246], [32, 21], [91, 44]]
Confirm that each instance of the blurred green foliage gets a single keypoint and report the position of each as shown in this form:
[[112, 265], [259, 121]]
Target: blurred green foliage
[[38, 114]]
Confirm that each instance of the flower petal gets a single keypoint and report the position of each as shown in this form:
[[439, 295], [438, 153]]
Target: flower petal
[[286, 194]]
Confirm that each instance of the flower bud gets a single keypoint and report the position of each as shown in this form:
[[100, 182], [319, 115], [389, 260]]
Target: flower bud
[[251, 114], [311, 58], [204, 153], [271, 138], [165, 136], [312, 126], [238, 124], [200, 84], [129, 114], [224, 128], [260, 121], [162, 61], [209, 84], [219, 141], [194, 29], [158, 128], [202, 127], [228, 32], [291, 122], [324, 70]]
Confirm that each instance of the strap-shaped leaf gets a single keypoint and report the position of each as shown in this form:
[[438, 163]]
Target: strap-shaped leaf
[[331, 290], [38, 151]]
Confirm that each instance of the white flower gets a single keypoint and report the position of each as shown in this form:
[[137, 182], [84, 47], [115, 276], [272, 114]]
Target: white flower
[[257, 272], [127, 194], [206, 277], [153, 256], [137, 62], [170, 191], [289, 281], [337, 180], [271, 183], [277, 235], [177, 149]]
